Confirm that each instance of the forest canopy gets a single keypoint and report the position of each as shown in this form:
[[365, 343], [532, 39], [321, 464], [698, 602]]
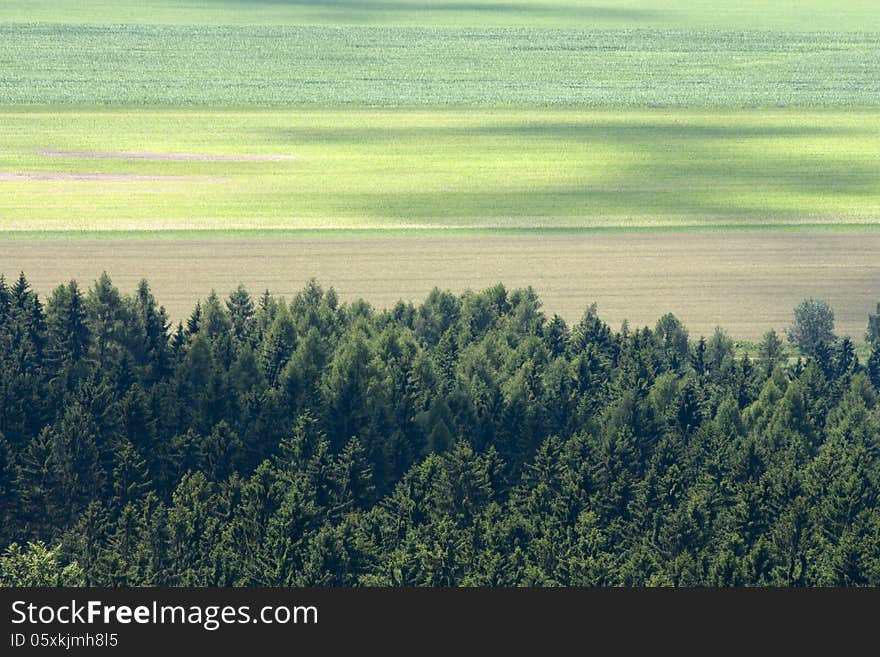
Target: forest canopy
[[468, 440]]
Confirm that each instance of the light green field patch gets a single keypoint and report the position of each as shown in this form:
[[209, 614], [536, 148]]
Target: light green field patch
[[805, 15], [442, 168]]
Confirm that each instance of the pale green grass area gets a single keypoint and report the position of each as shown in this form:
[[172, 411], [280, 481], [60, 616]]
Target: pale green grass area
[[392, 67], [804, 15], [437, 169]]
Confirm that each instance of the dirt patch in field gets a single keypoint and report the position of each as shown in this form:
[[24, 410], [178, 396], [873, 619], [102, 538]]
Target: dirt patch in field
[[746, 282], [169, 157], [54, 176]]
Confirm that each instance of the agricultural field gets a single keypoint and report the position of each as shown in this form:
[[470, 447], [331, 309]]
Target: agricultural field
[[234, 170], [804, 16], [165, 124], [745, 281], [391, 67]]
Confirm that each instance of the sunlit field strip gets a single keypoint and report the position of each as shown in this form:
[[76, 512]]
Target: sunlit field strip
[[103, 169]]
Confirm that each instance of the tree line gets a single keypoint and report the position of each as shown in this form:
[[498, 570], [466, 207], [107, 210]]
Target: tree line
[[468, 440]]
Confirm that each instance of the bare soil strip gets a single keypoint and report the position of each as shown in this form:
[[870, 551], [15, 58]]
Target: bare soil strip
[[168, 157], [744, 282]]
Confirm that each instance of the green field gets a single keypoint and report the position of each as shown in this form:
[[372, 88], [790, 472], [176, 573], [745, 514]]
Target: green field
[[123, 116], [115, 169], [634, 53], [390, 67], [803, 16], [289, 121]]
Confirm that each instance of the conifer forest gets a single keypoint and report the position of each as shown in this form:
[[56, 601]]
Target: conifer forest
[[469, 440]]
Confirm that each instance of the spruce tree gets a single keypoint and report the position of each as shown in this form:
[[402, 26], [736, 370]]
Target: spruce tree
[[68, 335], [874, 365], [77, 477], [241, 313], [9, 496], [278, 345], [107, 321], [154, 325]]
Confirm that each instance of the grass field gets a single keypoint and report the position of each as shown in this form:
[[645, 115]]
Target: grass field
[[653, 155], [381, 66], [802, 16], [746, 282], [120, 169]]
